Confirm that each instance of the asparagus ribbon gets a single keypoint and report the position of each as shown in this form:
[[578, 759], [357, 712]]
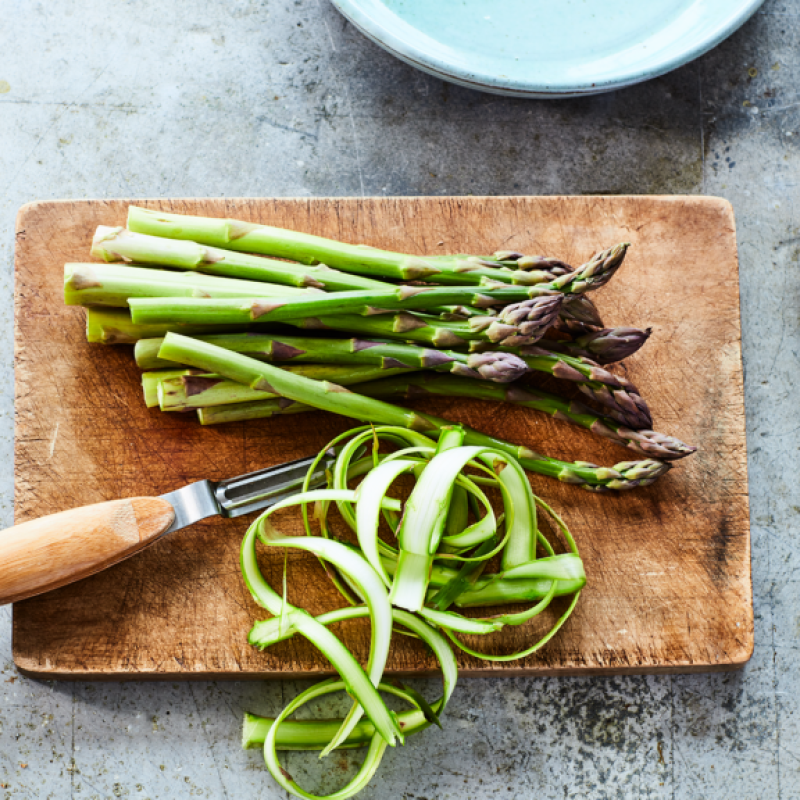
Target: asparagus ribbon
[[391, 585]]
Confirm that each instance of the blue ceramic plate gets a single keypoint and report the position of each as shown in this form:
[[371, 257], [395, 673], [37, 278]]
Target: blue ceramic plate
[[547, 48]]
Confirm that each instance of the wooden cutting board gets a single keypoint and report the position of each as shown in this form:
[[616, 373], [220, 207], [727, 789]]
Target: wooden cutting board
[[668, 567]]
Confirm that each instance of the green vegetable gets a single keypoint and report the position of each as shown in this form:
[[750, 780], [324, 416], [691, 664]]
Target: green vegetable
[[114, 326], [645, 442], [308, 249], [113, 285], [501, 367], [117, 244], [179, 390], [331, 397], [383, 578]]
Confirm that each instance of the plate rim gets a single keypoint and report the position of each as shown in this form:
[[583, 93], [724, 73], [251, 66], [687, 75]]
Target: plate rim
[[409, 53]]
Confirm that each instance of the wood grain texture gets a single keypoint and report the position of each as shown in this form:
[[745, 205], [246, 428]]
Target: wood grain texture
[[43, 554], [668, 567]]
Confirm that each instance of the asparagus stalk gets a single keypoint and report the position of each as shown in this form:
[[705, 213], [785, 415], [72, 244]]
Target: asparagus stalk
[[151, 380], [114, 326], [118, 244], [644, 442], [494, 366], [596, 272], [606, 346], [407, 327], [188, 310], [307, 249], [190, 390], [520, 261], [261, 346], [112, 285], [117, 327], [334, 398], [591, 275], [508, 329], [649, 444], [255, 409], [461, 313], [184, 392], [617, 394]]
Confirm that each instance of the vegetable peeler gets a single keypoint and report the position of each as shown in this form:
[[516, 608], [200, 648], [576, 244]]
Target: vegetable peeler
[[55, 550]]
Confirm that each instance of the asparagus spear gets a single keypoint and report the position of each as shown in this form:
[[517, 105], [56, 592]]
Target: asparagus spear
[[113, 285], [115, 244], [596, 272], [256, 409], [261, 346], [521, 261], [190, 389], [427, 329], [334, 398], [283, 309], [405, 326], [114, 326], [494, 366], [508, 329], [118, 244], [107, 326], [150, 381], [591, 275], [645, 442], [617, 394], [308, 249], [606, 346], [402, 326]]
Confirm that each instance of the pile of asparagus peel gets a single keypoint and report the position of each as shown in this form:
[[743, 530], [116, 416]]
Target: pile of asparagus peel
[[238, 321]]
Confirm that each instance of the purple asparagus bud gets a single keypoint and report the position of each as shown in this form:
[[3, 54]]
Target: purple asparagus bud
[[620, 397], [630, 475], [522, 323], [594, 273], [606, 346], [622, 403], [507, 255], [574, 327], [613, 344], [650, 443], [554, 265], [581, 309], [498, 367]]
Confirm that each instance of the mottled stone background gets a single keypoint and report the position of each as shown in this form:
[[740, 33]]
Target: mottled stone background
[[265, 97]]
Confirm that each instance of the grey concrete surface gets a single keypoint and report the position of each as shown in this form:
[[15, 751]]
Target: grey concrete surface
[[277, 97]]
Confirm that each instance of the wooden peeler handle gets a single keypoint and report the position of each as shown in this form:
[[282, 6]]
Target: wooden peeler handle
[[49, 552]]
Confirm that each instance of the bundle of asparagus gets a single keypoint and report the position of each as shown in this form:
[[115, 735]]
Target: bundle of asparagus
[[383, 323]]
